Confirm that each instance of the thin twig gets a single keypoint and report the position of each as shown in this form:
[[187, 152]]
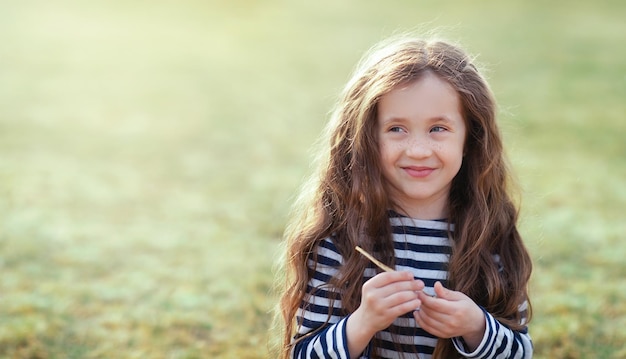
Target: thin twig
[[374, 260]]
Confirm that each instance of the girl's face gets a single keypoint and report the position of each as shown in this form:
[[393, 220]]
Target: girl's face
[[421, 136]]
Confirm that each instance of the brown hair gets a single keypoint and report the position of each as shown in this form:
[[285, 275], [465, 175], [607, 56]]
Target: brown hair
[[346, 197]]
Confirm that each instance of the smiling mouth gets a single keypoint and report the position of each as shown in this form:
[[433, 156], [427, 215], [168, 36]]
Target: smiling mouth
[[418, 172]]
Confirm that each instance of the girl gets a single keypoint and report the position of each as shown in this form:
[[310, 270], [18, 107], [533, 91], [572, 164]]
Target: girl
[[415, 174]]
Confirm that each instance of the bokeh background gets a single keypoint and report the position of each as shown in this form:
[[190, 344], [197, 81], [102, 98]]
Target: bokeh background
[[150, 151]]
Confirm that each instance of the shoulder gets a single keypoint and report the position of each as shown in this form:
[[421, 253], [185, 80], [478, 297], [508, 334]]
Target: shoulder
[[326, 253]]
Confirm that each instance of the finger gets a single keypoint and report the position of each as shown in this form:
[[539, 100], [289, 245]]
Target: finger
[[433, 318], [410, 286], [434, 304], [386, 284], [385, 278], [445, 293], [420, 284], [425, 322], [440, 290], [427, 299], [403, 306], [430, 324], [400, 297]]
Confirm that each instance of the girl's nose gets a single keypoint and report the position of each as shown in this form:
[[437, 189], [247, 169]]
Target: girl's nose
[[419, 148]]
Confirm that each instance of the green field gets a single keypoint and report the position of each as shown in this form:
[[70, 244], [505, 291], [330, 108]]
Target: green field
[[149, 153]]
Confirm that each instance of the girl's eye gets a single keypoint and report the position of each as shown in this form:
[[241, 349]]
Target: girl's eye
[[395, 129], [437, 129]]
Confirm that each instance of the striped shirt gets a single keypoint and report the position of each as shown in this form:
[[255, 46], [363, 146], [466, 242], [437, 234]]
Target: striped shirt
[[423, 248]]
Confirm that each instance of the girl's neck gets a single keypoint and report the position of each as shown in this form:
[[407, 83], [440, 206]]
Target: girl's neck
[[434, 207], [424, 213]]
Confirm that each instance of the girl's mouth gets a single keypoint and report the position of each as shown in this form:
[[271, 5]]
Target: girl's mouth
[[418, 172]]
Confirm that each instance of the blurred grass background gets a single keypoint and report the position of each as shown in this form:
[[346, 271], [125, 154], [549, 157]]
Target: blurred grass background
[[149, 152]]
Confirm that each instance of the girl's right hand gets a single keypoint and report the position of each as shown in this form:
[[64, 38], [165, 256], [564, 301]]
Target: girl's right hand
[[384, 298]]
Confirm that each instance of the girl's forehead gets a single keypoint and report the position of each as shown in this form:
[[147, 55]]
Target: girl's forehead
[[428, 96]]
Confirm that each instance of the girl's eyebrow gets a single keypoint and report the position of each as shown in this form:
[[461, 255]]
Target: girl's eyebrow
[[442, 118], [389, 119], [400, 119]]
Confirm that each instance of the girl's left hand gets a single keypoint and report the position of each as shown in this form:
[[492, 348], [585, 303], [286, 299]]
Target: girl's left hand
[[451, 314]]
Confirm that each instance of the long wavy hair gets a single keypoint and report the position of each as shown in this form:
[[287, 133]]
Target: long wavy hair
[[346, 198]]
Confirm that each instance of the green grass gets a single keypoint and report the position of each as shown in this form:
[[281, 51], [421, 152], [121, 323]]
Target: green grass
[[149, 153]]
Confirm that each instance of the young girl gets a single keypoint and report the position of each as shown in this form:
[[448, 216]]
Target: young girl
[[415, 174]]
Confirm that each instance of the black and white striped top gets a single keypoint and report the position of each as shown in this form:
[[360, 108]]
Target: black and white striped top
[[423, 248]]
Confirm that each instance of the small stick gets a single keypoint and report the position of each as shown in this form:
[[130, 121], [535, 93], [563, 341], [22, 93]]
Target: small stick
[[374, 260]]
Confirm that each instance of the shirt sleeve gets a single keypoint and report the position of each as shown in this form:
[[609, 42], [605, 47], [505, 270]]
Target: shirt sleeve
[[321, 328], [499, 341]]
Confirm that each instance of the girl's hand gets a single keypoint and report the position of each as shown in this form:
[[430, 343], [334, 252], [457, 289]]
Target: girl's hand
[[451, 314], [385, 297]]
